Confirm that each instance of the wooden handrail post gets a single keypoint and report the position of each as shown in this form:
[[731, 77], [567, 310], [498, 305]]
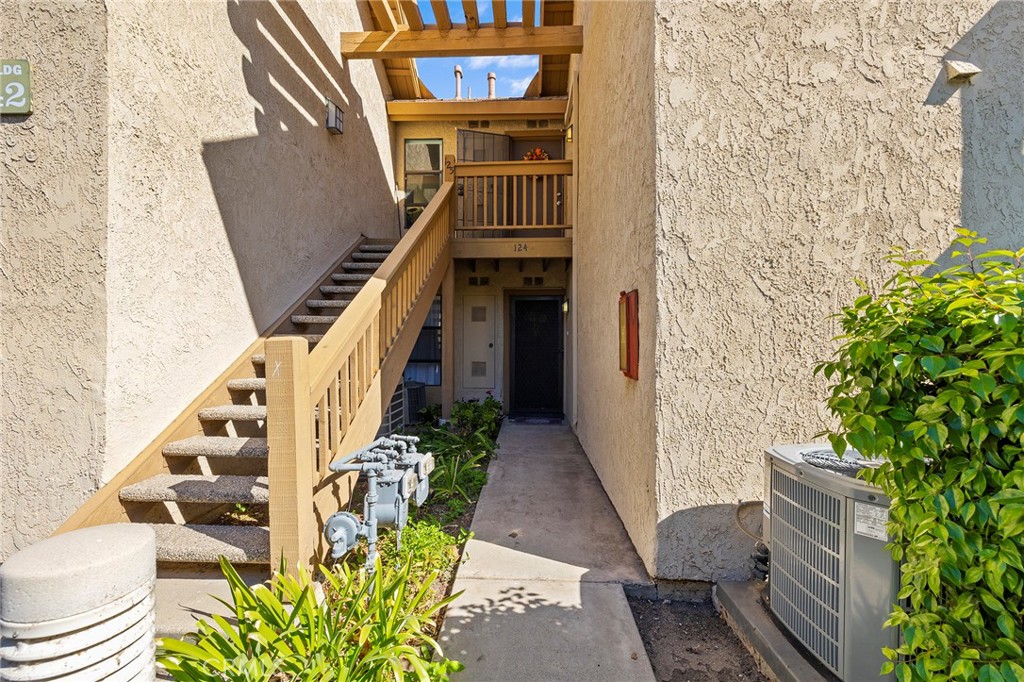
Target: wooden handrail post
[[293, 526]]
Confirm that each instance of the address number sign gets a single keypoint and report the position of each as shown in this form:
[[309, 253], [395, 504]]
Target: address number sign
[[15, 87]]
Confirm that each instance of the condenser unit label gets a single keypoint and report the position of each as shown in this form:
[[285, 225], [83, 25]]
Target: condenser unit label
[[870, 520]]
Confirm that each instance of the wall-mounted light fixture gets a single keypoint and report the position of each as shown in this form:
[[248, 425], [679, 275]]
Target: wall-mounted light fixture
[[568, 134], [335, 117], [960, 73], [565, 306]]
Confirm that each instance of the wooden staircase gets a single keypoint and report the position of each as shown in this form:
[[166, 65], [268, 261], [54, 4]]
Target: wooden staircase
[[243, 472], [193, 510]]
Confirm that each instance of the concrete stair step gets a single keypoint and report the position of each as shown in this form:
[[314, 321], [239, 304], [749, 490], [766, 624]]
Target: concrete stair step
[[314, 319], [379, 248], [375, 256], [199, 489], [231, 413], [352, 265], [334, 289], [312, 338], [351, 276], [248, 385], [186, 594], [199, 544], [258, 360], [217, 446], [316, 303]]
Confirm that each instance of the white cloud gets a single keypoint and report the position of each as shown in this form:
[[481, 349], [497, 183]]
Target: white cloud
[[516, 18], [520, 61], [517, 86]]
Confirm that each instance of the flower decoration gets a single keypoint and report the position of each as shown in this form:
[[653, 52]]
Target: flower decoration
[[536, 154]]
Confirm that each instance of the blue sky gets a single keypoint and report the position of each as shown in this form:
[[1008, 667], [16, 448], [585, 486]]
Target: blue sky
[[514, 72]]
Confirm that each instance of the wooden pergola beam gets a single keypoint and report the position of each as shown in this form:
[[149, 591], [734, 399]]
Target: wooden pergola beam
[[529, 13], [500, 14], [549, 108], [472, 14], [483, 42], [441, 15], [412, 14], [382, 13]]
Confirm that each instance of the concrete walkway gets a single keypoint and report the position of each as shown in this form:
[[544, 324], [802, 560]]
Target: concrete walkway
[[543, 583]]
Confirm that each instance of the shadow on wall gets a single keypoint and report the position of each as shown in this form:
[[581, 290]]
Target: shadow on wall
[[295, 189], [702, 543], [992, 125]]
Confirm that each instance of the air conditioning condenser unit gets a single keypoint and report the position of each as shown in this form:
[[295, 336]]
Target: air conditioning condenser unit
[[831, 582]]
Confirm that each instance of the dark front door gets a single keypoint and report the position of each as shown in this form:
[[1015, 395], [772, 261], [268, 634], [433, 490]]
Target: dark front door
[[536, 356]]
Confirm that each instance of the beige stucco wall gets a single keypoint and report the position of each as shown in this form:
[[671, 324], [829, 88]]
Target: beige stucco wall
[[53, 258], [228, 197], [613, 251], [156, 221], [797, 142]]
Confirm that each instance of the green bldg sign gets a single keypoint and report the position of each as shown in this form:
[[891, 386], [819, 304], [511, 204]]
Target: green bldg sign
[[15, 86]]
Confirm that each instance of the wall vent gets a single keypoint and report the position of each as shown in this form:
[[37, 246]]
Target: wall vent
[[478, 369]]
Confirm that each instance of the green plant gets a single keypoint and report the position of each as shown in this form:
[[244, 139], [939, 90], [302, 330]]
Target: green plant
[[355, 627], [430, 414], [470, 416], [425, 547], [930, 376], [460, 474]]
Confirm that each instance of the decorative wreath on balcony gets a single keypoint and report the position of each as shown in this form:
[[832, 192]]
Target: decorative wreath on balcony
[[536, 154]]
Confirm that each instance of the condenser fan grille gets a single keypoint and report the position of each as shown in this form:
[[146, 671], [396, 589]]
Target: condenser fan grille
[[807, 564]]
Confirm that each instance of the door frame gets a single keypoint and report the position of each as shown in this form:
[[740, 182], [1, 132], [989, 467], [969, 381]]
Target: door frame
[[538, 294]]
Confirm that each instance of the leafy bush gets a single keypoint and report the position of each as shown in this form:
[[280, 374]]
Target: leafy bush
[[425, 547], [930, 376], [459, 471], [356, 627], [470, 416]]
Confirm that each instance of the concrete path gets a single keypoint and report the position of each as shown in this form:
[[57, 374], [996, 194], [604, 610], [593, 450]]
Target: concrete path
[[543, 583]]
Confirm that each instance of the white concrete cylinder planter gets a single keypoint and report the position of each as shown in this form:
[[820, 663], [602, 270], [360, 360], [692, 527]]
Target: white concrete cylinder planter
[[79, 607]]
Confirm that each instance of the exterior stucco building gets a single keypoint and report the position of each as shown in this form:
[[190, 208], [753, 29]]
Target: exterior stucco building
[[737, 164]]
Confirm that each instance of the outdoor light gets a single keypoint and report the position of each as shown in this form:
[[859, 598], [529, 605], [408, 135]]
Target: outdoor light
[[960, 73], [335, 117], [568, 134]]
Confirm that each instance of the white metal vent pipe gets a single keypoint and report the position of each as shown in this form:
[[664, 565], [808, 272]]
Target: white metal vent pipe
[[79, 607]]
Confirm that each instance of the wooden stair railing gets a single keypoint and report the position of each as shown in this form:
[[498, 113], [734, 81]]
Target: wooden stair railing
[[329, 402]]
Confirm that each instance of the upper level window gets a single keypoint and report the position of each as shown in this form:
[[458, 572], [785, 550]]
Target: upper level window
[[423, 175]]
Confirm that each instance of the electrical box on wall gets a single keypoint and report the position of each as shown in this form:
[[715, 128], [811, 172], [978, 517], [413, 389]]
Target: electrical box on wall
[[629, 334]]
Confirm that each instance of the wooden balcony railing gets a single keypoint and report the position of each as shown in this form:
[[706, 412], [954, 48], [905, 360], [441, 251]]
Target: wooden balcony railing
[[329, 402], [513, 198]]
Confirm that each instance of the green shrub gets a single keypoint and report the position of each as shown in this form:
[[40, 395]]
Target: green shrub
[[355, 627], [470, 416], [459, 471], [930, 375], [425, 548]]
